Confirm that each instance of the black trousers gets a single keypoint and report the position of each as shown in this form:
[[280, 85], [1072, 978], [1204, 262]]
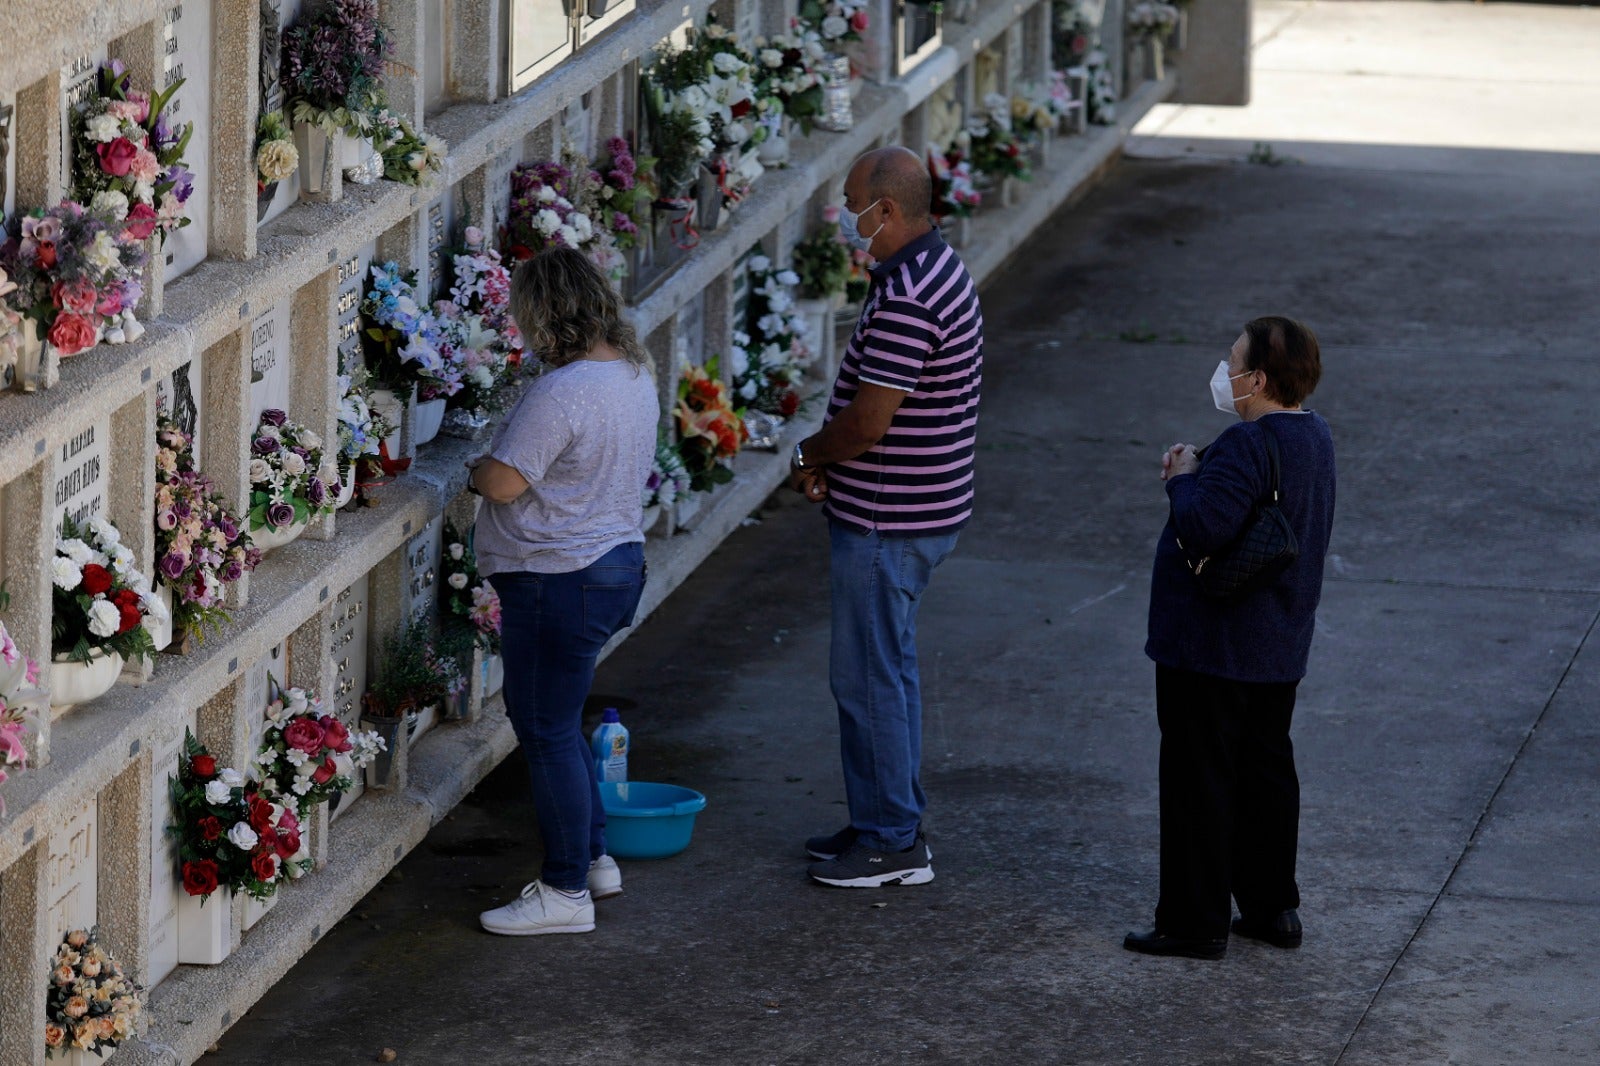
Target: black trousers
[[1230, 801]]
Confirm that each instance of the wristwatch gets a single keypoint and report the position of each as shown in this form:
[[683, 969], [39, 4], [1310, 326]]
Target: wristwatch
[[798, 460]]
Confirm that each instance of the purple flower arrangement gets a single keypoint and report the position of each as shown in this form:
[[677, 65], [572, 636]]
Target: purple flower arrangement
[[291, 481], [333, 59], [625, 192], [201, 548]]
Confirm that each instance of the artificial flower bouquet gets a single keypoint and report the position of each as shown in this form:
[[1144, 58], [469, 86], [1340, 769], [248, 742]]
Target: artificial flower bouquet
[[669, 479], [821, 259], [90, 1004], [1032, 115], [401, 339], [1151, 20], [19, 677], [835, 20], [409, 157], [362, 427], [99, 599], [291, 480], [229, 834], [680, 128], [767, 359], [333, 60], [201, 547], [76, 272], [485, 343], [128, 158], [306, 756], [556, 205], [276, 156], [464, 596], [626, 190], [714, 79], [710, 431], [994, 147], [954, 194], [789, 71]]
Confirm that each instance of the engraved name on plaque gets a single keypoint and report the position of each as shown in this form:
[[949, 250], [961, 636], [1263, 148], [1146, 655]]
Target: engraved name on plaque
[[80, 489], [72, 878], [269, 361], [186, 31], [349, 644]]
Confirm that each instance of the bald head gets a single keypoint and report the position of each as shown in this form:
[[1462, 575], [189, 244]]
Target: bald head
[[899, 174]]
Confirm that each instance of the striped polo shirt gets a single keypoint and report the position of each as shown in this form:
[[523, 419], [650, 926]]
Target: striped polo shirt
[[921, 331]]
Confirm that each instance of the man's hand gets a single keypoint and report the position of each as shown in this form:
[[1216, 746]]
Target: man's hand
[[810, 482], [1179, 459]]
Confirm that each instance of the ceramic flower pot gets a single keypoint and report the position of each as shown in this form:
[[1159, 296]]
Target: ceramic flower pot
[[387, 402], [427, 416], [203, 928], [381, 772], [264, 197], [267, 538], [708, 201], [347, 487], [255, 909], [774, 151], [161, 632], [72, 683]]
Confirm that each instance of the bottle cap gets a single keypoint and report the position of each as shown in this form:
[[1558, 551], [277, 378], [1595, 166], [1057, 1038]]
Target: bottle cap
[[610, 715]]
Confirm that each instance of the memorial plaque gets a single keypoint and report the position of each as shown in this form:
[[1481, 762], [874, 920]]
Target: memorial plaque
[[275, 663], [269, 361], [422, 569], [78, 83], [166, 886], [178, 397], [186, 31], [441, 224], [80, 489], [350, 673], [747, 23], [354, 274], [73, 874]]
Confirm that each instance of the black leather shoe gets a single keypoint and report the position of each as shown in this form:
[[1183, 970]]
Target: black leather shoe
[[1158, 943], [1282, 930]]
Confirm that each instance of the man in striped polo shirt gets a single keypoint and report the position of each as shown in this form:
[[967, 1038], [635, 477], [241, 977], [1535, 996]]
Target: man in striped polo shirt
[[892, 466]]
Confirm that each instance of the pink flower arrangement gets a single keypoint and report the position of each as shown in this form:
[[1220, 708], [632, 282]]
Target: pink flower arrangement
[[466, 596], [954, 195], [480, 337], [129, 158], [201, 547], [625, 193], [19, 675], [75, 271], [306, 756], [835, 20]]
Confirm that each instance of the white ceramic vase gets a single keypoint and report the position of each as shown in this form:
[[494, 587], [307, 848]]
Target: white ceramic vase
[[266, 538], [652, 515], [203, 928], [427, 416], [161, 632], [72, 683], [347, 488]]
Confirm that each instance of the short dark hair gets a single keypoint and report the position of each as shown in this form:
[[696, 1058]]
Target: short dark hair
[[901, 176], [1286, 351]]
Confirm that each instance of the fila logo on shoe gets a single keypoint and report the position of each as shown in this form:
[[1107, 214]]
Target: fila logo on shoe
[[876, 858]]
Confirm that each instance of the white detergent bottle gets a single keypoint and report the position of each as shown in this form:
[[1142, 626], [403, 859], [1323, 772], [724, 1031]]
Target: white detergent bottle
[[609, 745]]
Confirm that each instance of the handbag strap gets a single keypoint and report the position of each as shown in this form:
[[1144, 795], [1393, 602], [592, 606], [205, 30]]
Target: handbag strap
[[1272, 456]]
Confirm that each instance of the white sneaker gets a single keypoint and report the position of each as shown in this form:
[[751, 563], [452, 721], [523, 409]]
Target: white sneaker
[[605, 880], [541, 909]]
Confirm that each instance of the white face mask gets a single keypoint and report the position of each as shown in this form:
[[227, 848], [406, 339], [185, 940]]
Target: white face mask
[[1222, 388], [848, 227]]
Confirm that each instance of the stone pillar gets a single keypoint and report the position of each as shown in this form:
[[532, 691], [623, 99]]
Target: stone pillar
[[311, 667], [225, 439], [38, 146], [235, 99], [130, 490], [314, 388], [25, 945], [476, 51], [403, 81], [123, 890], [719, 324], [1216, 60], [28, 511]]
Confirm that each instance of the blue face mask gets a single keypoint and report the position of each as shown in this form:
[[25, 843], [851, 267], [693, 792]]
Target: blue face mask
[[849, 227]]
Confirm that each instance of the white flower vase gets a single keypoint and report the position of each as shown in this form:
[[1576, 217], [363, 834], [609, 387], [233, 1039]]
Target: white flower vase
[[819, 330], [425, 719], [203, 928], [255, 910], [387, 403], [427, 417], [494, 675], [267, 538], [358, 160], [37, 366], [318, 161], [347, 488], [161, 632], [72, 683], [1155, 58], [652, 515], [774, 151]]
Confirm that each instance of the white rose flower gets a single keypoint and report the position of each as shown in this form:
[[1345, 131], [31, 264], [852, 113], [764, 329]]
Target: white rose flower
[[104, 618], [270, 431], [307, 767], [231, 777], [260, 472], [738, 361], [771, 57], [309, 439], [788, 277], [242, 836], [458, 581], [780, 301], [292, 464], [66, 574], [760, 263], [297, 700], [457, 551], [748, 390], [834, 26], [110, 202], [216, 793], [727, 63]]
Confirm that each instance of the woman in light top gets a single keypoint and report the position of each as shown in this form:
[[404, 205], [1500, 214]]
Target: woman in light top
[[559, 538]]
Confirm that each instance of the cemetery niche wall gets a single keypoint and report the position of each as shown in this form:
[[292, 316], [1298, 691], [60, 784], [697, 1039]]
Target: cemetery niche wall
[[238, 313]]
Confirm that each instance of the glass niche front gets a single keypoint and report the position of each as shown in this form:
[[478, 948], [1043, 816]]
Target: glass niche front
[[917, 33], [545, 32]]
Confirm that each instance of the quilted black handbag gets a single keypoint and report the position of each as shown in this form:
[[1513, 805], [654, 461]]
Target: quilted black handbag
[[1262, 552]]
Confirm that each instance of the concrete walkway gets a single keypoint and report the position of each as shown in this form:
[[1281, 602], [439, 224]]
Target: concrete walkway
[[1448, 734]]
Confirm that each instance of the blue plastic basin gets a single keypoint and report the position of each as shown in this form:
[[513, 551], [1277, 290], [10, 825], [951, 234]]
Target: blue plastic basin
[[648, 821]]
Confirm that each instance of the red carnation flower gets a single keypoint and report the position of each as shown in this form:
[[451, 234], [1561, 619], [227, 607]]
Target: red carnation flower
[[130, 618], [210, 827], [200, 877], [96, 579]]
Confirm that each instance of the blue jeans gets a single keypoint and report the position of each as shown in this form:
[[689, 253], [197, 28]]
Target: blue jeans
[[553, 627], [878, 582]]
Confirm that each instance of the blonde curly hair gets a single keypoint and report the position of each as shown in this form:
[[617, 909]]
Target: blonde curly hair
[[565, 306]]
